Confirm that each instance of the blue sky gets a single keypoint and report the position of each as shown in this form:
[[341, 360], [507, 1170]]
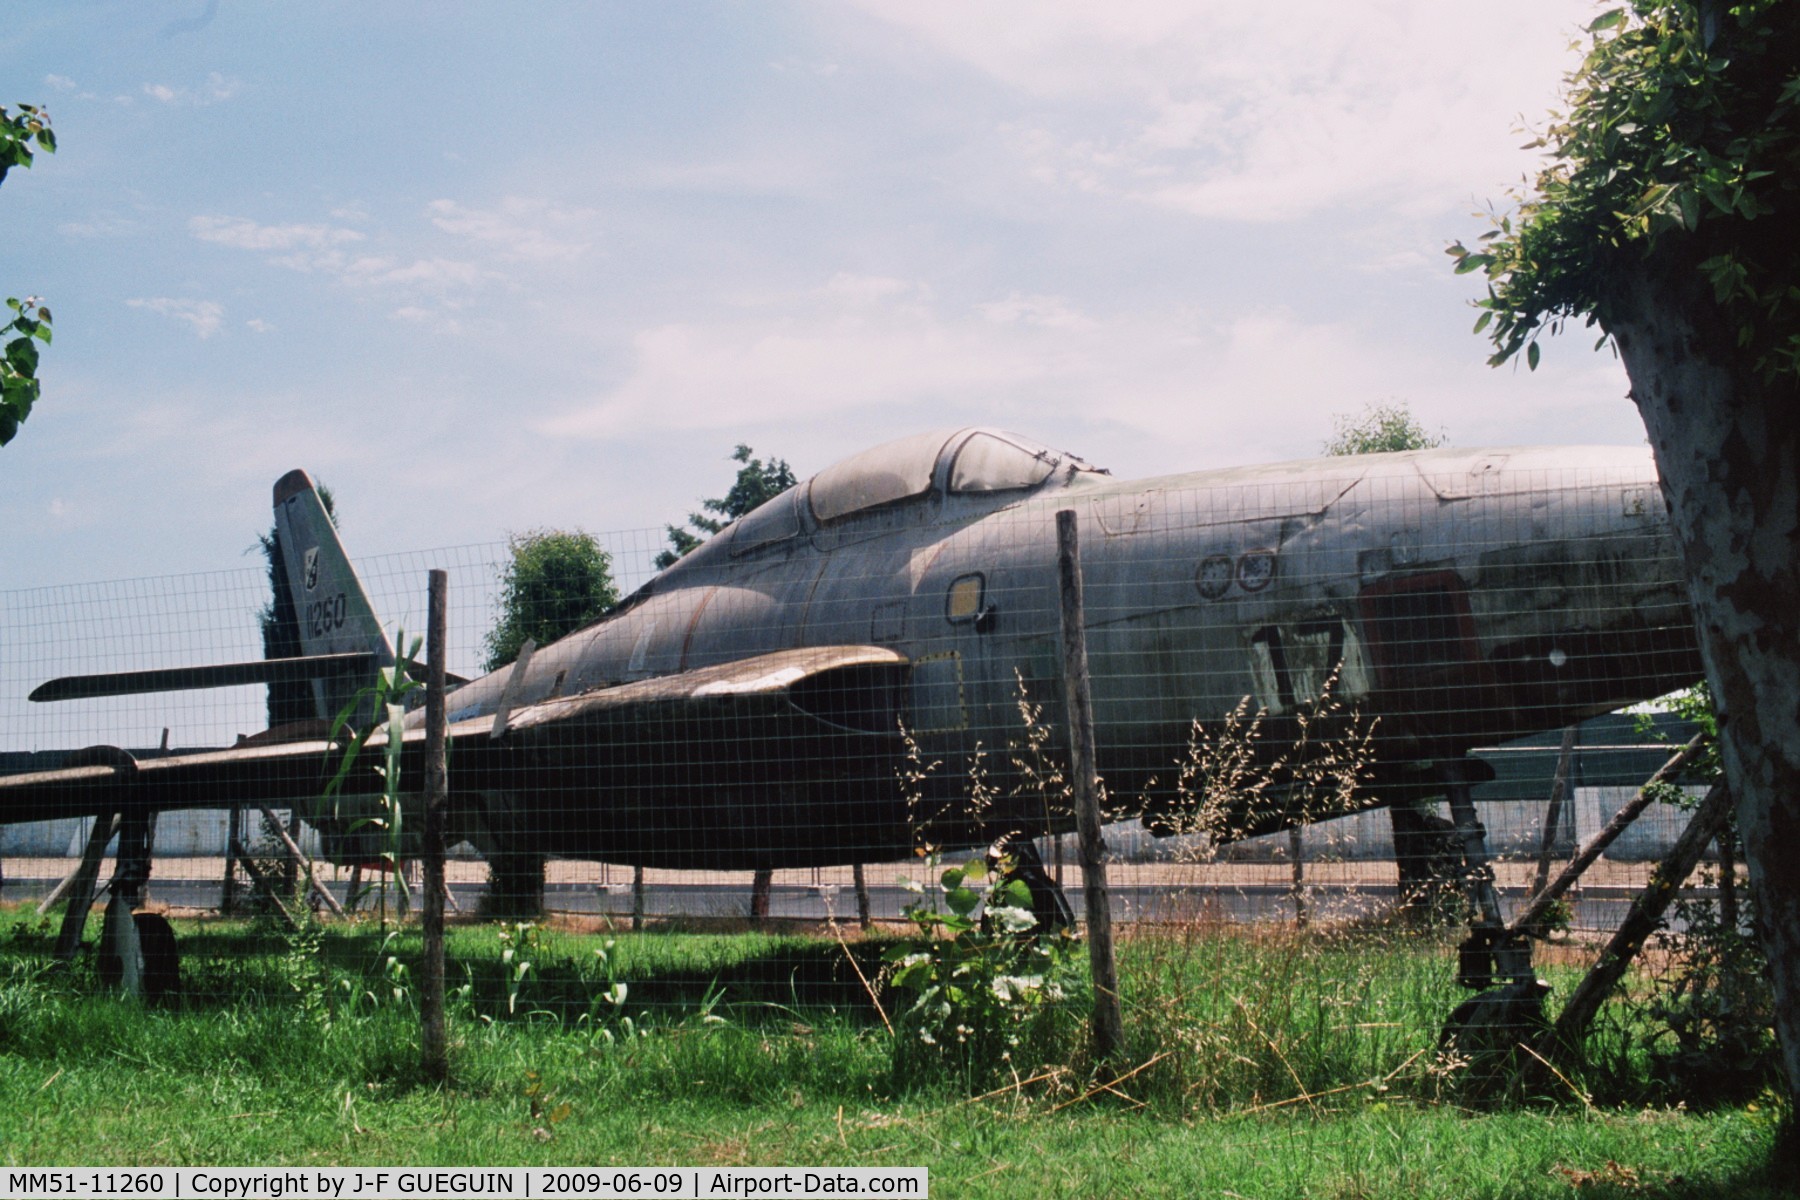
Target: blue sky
[[490, 267]]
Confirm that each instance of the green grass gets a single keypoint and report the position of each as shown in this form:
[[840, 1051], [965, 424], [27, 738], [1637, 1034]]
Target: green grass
[[761, 1049]]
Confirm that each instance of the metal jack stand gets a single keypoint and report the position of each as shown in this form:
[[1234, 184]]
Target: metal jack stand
[[1489, 955], [1510, 1011], [122, 960]]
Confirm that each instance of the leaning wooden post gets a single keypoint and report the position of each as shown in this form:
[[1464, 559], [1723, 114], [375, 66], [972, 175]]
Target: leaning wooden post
[[1109, 1022], [433, 1051], [80, 887], [1641, 921], [1559, 788], [1595, 846], [266, 885], [297, 858]]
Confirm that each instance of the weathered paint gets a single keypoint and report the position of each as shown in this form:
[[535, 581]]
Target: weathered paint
[[744, 707]]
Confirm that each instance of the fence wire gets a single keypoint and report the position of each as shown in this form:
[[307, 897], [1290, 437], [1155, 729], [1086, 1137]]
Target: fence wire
[[1277, 658]]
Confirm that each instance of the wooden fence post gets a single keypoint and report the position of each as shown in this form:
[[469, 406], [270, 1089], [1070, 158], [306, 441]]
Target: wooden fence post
[[861, 879], [1109, 1022], [433, 1048]]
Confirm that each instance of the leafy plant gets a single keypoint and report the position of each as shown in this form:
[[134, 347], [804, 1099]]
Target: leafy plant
[[22, 133], [385, 700], [1710, 1003], [984, 987], [1680, 132], [613, 995], [519, 949], [19, 388]]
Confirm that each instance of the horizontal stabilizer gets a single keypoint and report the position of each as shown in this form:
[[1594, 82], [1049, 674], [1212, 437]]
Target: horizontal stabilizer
[[179, 679]]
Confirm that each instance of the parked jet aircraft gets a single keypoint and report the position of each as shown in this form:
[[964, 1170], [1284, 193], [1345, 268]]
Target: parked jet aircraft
[[764, 701]]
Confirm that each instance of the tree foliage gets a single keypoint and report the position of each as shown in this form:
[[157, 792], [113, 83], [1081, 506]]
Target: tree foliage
[[757, 482], [1664, 215], [1380, 428], [22, 133], [556, 582], [1682, 135]]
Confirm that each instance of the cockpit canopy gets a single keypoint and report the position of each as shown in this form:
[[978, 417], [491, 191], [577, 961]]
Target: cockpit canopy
[[968, 462], [964, 461]]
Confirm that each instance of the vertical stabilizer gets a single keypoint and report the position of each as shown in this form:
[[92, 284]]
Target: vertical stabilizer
[[332, 610]]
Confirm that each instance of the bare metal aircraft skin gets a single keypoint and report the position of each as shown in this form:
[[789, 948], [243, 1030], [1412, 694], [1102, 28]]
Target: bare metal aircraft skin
[[761, 702]]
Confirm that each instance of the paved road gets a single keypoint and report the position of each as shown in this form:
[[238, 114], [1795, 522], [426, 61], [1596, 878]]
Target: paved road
[[1234, 893]]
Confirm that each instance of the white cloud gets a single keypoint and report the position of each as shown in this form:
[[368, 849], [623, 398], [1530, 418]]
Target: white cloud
[[258, 325], [203, 316], [61, 83], [853, 344], [216, 89], [829, 369], [519, 229], [786, 66], [1050, 312], [325, 250], [1261, 113], [243, 234], [872, 289], [102, 226], [434, 275]]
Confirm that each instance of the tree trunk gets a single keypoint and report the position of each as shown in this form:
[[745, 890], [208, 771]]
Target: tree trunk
[[1728, 449]]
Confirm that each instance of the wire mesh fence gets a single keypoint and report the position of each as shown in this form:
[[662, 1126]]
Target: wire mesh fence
[[865, 671]]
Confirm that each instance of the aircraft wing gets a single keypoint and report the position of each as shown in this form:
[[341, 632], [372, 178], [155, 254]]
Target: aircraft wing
[[175, 679], [831, 704]]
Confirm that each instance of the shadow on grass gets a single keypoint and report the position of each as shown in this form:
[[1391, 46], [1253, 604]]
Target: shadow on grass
[[748, 976]]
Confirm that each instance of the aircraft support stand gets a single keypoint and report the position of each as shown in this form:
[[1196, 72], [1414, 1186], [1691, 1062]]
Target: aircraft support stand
[[137, 949], [1491, 954], [1509, 1012], [79, 887]]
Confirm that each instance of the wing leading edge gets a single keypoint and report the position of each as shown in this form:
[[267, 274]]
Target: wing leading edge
[[828, 707]]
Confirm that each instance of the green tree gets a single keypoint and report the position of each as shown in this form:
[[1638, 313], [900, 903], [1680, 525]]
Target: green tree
[[1664, 214], [757, 482], [556, 582], [1380, 428], [21, 134]]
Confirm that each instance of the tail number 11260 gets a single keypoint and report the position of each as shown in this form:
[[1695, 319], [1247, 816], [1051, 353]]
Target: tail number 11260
[[324, 616]]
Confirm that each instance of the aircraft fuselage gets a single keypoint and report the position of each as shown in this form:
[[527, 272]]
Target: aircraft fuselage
[[1452, 598]]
